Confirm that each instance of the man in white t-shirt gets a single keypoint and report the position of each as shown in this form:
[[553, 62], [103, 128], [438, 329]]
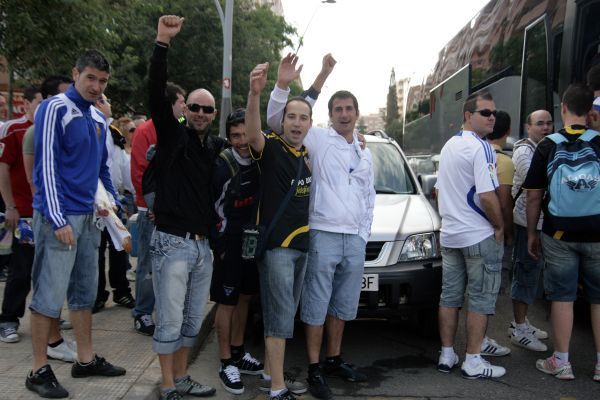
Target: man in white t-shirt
[[470, 211]]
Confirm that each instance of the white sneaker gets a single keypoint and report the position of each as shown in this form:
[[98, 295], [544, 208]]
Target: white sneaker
[[9, 334], [483, 370], [489, 347], [446, 364], [537, 332], [527, 341], [62, 352]]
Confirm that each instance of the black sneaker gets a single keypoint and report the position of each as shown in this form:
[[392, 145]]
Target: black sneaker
[[143, 324], [283, 396], [44, 383], [98, 305], [99, 366], [317, 386], [343, 370], [249, 365], [230, 379], [171, 395], [125, 301]]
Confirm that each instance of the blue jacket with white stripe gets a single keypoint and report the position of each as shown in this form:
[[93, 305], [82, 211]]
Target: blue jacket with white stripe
[[70, 155]]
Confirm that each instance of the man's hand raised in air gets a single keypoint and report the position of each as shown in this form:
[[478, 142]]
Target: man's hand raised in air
[[168, 27], [287, 71]]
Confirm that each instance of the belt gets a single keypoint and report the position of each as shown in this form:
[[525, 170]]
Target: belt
[[179, 232]]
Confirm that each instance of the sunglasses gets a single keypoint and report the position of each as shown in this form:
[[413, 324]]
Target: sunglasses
[[238, 115], [131, 130], [486, 112], [197, 107]]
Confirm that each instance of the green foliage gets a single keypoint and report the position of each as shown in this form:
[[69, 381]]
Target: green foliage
[[394, 130], [39, 38], [362, 126]]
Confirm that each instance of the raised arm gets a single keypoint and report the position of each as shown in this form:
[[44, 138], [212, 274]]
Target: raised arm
[[258, 80]]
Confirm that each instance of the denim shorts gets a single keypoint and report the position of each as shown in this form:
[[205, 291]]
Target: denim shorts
[[477, 269], [336, 263], [181, 271], [59, 271], [526, 270], [281, 274], [564, 261]]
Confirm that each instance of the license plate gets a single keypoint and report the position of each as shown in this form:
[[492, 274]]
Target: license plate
[[370, 283]]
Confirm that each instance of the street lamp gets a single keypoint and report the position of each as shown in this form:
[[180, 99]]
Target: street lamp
[[226, 24], [301, 42]]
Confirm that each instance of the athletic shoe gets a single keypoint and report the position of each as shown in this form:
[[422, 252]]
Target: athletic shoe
[[193, 388], [130, 274], [527, 341], [291, 384], [489, 347], [483, 370], [144, 324], [343, 370], [596, 376], [44, 383], [446, 364], [62, 352], [550, 366], [283, 396], [65, 325], [537, 332], [98, 305], [8, 334], [98, 367], [317, 386], [230, 379], [249, 365], [126, 301], [171, 395]]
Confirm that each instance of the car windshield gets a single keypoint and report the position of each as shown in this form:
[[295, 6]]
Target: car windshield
[[391, 172]]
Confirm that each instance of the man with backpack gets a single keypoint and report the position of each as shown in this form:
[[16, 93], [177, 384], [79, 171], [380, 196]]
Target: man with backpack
[[526, 270], [566, 168]]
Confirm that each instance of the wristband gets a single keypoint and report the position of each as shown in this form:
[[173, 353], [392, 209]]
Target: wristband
[[162, 44], [11, 208]]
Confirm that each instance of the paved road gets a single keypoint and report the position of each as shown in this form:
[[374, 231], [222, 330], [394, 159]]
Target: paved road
[[401, 364]]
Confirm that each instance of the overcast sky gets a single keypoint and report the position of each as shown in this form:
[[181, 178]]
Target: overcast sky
[[370, 37]]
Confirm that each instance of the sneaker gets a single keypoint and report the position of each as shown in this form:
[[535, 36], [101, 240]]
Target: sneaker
[[65, 325], [98, 305], [249, 365], [8, 334], [99, 366], [126, 301], [44, 383], [596, 376], [527, 341], [291, 384], [446, 364], [130, 274], [287, 395], [144, 324], [483, 370], [171, 395], [230, 379], [343, 370], [317, 385], [489, 347], [550, 366], [193, 388], [537, 332], [62, 352]]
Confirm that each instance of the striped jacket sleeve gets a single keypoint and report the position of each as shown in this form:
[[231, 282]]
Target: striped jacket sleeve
[[48, 137]]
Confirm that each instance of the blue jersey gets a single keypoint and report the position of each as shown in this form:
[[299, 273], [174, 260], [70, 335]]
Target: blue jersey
[[70, 156]]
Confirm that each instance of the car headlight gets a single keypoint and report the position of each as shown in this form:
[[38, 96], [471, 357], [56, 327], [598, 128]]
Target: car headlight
[[420, 247]]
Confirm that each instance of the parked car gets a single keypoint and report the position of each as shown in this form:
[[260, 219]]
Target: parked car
[[403, 259]]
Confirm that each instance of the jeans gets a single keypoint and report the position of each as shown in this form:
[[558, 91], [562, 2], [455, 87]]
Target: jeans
[[18, 283], [144, 292], [526, 270], [60, 270], [181, 271]]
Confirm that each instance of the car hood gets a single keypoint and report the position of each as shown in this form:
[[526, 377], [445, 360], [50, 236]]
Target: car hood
[[397, 216]]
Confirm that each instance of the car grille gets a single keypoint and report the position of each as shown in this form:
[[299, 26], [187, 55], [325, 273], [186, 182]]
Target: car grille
[[373, 250]]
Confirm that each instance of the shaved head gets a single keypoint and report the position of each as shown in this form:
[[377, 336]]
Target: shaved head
[[200, 120]]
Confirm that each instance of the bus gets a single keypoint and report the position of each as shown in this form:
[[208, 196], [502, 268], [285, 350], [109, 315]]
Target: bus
[[523, 52]]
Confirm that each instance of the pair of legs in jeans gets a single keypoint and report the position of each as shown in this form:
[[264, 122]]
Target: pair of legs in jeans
[[144, 292]]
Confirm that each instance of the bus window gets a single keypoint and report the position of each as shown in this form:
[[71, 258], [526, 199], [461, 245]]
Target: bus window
[[588, 36], [534, 79]]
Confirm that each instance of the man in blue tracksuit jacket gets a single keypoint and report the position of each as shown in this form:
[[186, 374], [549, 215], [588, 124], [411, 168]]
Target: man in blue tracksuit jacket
[[70, 156]]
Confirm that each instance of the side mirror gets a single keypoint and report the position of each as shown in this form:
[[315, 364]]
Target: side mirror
[[428, 184]]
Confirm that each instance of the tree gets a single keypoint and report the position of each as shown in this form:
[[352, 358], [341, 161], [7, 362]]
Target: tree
[[391, 114]]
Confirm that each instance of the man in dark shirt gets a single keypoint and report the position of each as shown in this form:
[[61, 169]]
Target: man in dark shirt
[[569, 246], [181, 258], [281, 270]]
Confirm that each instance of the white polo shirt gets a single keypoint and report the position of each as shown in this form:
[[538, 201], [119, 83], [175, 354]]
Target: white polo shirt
[[467, 168]]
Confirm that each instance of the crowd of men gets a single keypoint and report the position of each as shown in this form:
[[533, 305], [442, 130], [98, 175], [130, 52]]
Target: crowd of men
[[238, 218]]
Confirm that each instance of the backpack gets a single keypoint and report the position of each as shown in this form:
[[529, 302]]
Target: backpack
[[573, 176]]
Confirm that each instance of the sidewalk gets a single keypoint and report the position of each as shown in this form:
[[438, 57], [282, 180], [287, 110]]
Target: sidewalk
[[114, 338]]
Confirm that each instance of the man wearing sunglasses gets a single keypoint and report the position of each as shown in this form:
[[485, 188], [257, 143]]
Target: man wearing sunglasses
[[181, 257], [470, 210]]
